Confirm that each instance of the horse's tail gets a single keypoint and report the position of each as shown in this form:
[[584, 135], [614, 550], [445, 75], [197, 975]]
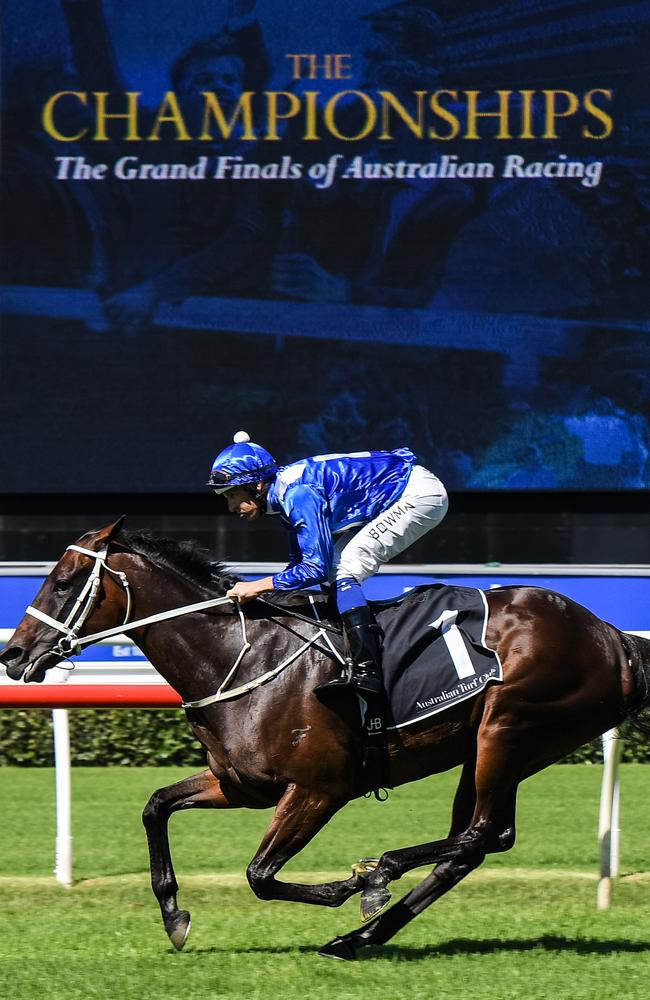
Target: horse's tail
[[637, 650]]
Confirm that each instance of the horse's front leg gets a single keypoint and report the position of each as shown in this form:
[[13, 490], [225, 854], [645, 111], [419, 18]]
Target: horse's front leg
[[200, 791], [299, 815]]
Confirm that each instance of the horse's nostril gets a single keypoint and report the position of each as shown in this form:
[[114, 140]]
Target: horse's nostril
[[13, 657], [11, 653]]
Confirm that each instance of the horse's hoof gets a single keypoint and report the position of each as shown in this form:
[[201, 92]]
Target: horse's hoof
[[178, 927], [373, 902], [339, 948]]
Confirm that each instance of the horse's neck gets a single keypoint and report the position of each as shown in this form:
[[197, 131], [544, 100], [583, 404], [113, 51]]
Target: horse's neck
[[194, 653], [156, 589], [166, 643]]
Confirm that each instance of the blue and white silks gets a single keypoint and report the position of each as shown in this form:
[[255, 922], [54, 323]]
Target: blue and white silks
[[328, 495]]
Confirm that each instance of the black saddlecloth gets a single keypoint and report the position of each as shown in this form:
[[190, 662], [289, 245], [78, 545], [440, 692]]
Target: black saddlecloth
[[434, 652]]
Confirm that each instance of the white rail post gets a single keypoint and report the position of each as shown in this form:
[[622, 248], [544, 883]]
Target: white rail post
[[608, 825], [63, 862]]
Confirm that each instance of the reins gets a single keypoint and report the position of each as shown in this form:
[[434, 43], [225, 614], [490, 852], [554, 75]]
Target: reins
[[71, 643], [71, 628], [297, 614]]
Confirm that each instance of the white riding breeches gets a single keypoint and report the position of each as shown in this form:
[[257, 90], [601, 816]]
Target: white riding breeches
[[359, 552]]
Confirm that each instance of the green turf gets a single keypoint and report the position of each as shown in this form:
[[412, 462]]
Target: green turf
[[525, 925]]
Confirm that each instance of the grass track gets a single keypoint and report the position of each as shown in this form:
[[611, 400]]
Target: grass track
[[523, 926]]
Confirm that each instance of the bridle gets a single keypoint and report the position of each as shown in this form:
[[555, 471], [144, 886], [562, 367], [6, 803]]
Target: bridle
[[71, 643]]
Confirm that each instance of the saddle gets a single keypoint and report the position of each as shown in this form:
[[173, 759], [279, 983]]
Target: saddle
[[434, 653]]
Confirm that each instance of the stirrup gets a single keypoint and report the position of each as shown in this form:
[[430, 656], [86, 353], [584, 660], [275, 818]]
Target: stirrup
[[340, 685], [343, 684], [367, 684], [364, 685], [351, 680]]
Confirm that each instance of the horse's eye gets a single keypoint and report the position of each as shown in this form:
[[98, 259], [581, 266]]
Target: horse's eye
[[62, 586]]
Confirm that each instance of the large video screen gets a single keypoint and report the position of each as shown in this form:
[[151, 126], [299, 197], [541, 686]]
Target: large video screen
[[336, 226]]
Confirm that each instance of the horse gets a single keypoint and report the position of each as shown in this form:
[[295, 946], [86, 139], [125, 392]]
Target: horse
[[270, 742]]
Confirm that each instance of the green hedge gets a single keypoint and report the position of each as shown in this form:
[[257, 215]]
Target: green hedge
[[134, 737], [101, 737]]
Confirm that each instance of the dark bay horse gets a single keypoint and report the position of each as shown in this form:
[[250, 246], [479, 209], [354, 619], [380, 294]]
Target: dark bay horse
[[568, 676]]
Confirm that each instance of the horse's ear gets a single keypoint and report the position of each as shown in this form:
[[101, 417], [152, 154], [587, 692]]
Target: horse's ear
[[107, 534]]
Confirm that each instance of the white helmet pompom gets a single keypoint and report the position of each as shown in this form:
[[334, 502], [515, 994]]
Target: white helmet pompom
[[241, 437]]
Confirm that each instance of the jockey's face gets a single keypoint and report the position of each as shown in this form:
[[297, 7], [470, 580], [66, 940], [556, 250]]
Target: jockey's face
[[241, 502]]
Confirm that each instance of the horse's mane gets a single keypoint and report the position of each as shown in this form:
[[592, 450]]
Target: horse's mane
[[198, 566], [187, 558]]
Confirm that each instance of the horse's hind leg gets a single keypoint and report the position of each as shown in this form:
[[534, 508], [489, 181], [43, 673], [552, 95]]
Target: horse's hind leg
[[492, 829], [394, 864], [443, 878], [200, 791]]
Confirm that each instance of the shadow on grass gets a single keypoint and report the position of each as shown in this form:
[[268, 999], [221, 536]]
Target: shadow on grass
[[489, 946], [457, 946], [289, 949]]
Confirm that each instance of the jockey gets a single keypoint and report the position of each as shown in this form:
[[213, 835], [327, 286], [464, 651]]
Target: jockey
[[346, 516]]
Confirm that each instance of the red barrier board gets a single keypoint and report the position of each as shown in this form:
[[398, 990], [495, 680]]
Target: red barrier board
[[88, 696]]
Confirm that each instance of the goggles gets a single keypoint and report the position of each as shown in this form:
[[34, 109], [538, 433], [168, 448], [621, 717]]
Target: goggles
[[221, 482]]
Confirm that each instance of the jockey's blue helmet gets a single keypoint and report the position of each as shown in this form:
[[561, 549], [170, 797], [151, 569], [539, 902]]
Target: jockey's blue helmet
[[243, 463]]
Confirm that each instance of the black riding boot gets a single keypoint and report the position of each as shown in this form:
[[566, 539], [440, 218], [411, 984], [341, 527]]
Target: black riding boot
[[363, 665]]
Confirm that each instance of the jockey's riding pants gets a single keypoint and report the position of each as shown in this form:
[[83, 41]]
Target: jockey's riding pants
[[359, 552]]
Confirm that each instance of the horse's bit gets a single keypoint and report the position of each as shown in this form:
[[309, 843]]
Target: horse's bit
[[71, 643]]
